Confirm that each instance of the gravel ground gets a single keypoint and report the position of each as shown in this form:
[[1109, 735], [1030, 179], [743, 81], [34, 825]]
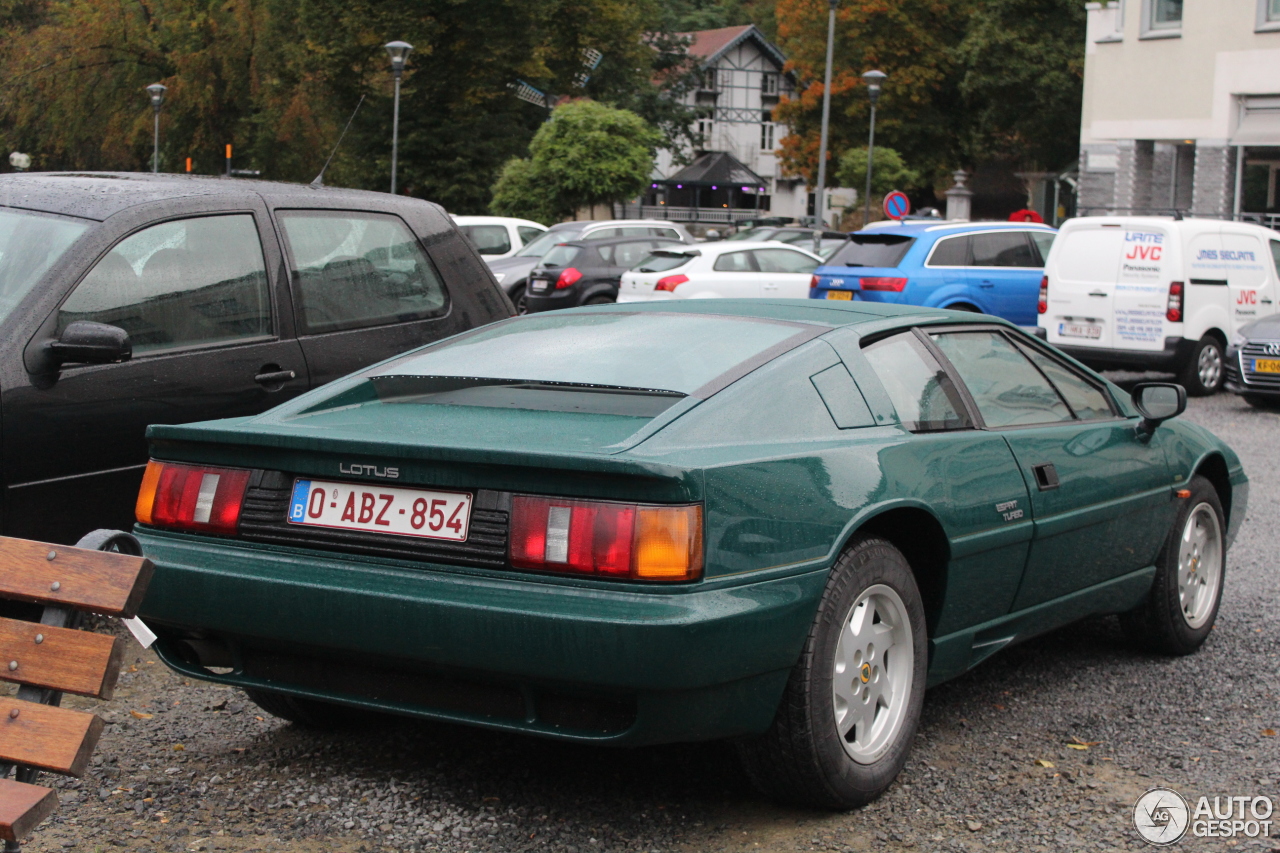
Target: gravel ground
[[187, 766]]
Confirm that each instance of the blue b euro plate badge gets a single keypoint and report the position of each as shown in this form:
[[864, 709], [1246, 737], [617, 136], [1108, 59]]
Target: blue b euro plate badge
[[298, 503]]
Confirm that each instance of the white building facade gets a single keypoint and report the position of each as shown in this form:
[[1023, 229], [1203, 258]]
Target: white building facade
[[1181, 108], [740, 80]]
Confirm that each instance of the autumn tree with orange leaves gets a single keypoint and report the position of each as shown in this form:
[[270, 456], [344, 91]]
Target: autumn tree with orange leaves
[[970, 81]]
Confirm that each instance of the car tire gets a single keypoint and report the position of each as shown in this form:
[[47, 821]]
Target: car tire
[[308, 713], [1182, 606], [518, 299], [1206, 370], [600, 300], [820, 751]]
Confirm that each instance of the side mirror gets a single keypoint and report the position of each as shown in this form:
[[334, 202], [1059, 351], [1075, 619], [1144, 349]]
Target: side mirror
[[91, 343], [1157, 402]]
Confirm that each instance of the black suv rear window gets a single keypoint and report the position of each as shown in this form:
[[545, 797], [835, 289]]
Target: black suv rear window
[[872, 250]]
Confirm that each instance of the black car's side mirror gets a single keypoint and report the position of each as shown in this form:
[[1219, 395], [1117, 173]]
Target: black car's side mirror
[[1157, 402], [91, 343]]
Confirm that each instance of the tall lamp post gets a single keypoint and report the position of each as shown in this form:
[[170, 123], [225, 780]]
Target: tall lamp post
[[156, 91], [399, 53], [873, 80], [818, 211]]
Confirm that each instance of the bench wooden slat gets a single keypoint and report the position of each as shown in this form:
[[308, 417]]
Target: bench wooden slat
[[98, 581], [23, 807], [65, 659], [55, 739]]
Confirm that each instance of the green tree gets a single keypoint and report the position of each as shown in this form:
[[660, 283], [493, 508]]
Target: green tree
[[588, 153], [888, 171]]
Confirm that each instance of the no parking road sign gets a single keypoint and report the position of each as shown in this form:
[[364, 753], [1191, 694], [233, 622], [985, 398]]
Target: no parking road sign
[[896, 205]]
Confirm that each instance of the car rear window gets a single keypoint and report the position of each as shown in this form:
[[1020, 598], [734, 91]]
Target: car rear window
[[560, 256], [539, 247], [660, 351], [663, 261], [488, 239], [872, 250]]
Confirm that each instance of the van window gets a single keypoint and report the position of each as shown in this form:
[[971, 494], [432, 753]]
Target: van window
[[1089, 254], [1275, 255]]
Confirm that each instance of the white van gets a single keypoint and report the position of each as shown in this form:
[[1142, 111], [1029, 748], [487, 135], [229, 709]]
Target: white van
[[1156, 293]]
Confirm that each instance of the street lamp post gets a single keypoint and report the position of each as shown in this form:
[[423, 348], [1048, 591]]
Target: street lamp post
[[156, 91], [826, 119], [873, 80], [399, 53]]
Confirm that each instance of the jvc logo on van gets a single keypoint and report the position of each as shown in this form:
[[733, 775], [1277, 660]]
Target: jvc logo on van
[[1147, 246], [1247, 297]]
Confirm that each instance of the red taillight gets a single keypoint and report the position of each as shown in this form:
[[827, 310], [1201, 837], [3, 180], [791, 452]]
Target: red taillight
[[813, 283], [1042, 306], [1173, 310], [568, 278], [894, 285], [606, 539], [670, 283], [192, 497]]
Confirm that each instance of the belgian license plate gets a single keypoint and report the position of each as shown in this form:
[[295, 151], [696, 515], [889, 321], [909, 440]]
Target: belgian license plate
[[376, 508], [1266, 365], [538, 285], [840, 294], [1079, 330]]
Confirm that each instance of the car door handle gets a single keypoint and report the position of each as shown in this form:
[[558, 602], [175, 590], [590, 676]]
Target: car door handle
[[1096, 293], [1266, 302], [1046, 476], [274, 377], [985, 283]]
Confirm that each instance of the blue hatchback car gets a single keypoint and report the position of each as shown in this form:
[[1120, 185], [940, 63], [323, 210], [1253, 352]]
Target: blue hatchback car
[[988, 267]]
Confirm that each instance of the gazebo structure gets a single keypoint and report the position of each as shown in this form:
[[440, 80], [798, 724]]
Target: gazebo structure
[[714, 187]]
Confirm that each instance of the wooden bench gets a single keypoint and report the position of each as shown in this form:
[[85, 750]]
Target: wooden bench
[[104, 574]]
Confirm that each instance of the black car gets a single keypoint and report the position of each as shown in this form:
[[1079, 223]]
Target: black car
[[1253, 362], [586, 272], [128, 300], [513, 272]]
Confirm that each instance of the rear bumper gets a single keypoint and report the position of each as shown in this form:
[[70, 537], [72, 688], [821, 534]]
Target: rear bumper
[[558, 658], [1174, 356]]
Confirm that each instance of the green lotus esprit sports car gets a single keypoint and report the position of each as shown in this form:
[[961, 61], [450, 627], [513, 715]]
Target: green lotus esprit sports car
[[773, 521]]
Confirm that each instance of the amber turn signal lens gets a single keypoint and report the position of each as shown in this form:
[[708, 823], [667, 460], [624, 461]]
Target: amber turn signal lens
[[668, 543], [147, 494]]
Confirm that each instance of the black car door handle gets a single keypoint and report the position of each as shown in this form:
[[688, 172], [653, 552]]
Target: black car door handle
[[275, 377], [1046, 476]]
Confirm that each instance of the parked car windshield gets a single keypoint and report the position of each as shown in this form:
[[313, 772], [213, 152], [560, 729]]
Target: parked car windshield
[[663, 261], [29, 245], [539, 247], [649, 350], [872, 250]]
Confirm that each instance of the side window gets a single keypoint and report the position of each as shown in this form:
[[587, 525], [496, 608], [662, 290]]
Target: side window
[[1275, 255], [528, 233], [603, 234], [782, 260], [735, 262], [1002, 249], [1044, 242], [178, 284], [358, 269], [1006, 387], [1085, 399], [920, 390], [488, 239], [951, 252], [665, 233]]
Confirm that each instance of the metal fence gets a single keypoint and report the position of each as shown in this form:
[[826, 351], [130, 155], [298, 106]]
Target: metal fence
[[720, 216]]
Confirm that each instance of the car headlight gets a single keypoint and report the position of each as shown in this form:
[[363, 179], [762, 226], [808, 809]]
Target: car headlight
[[499, 276]]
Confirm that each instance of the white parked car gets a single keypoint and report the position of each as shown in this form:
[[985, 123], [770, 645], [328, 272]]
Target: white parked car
[[731, 269], [498, 236], [1156, 293]]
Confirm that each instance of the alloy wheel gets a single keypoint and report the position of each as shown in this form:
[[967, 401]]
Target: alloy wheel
[[874, 667], [1209, 366], [1200, 557]]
